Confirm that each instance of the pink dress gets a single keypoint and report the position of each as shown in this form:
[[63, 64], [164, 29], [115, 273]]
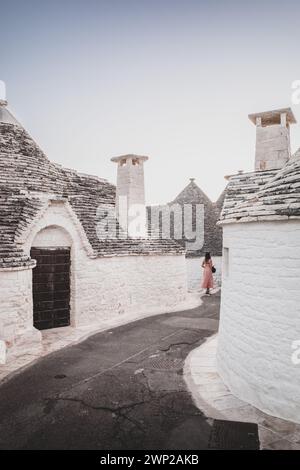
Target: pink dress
[[207, 280]]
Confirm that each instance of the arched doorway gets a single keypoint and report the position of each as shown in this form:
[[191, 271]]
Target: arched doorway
[[51, 285]]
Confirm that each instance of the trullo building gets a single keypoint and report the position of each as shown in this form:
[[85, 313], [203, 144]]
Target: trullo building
[[260, 306], [202, 234], [55, 267]]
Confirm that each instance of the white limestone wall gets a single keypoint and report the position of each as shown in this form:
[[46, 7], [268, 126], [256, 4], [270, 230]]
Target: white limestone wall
[[195, 272], [52, 236], [113, 285], [16, 327], [260, 315]]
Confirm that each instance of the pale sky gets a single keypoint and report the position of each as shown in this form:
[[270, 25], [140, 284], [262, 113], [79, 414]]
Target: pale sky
[[174, 80]]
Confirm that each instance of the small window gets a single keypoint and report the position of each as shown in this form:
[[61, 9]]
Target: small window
[[135, 161], [226, 262], [123, 162]]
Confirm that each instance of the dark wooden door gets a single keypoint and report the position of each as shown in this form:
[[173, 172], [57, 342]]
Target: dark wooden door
[[51, 287]]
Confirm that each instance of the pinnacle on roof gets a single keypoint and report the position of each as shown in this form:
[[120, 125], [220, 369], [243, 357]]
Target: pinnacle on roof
[[6, 116]]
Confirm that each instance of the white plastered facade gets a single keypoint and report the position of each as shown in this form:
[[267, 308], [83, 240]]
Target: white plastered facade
[[101, 287]]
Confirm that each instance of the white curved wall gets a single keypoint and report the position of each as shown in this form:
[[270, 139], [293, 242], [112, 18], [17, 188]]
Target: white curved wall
[[16, 327], [260, 315]]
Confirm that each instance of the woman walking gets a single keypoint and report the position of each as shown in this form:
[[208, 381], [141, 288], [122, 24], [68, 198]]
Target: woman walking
[[207, 281]]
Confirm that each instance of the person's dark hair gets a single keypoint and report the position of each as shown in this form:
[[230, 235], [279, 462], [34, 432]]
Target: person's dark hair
[[207, 256]]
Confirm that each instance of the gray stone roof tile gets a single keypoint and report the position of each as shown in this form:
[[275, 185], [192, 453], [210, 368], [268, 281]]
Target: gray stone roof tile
[[264, 195], [193, 195], [27, 177]]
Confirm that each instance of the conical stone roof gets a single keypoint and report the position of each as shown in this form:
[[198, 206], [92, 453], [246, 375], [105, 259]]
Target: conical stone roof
[[278, 198], [27, 177], [191, 195]]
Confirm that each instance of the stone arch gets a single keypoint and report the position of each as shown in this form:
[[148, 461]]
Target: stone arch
[[52, 235]]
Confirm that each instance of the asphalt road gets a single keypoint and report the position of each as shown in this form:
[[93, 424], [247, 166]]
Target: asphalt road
[[121, 389]]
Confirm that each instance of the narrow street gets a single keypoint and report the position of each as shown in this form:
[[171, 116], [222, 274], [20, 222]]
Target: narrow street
[[121, 389]]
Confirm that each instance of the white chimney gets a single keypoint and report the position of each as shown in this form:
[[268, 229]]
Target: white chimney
[[130, 196], [272, 138]]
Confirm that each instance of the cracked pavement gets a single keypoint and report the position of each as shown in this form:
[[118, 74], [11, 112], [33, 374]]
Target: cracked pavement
[[119, 389]]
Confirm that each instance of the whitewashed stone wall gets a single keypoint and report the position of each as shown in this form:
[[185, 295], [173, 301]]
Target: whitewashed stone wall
[[52, 236], [16, 327], [195, 272], [260, 315], [100, 287], [129, 284]]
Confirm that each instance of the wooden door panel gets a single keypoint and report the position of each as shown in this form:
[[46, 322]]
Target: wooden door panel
[[51, 287]]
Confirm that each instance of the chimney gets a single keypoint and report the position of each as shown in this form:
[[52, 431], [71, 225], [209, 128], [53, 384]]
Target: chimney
[[272, 138], [130, 196], [5, 115]]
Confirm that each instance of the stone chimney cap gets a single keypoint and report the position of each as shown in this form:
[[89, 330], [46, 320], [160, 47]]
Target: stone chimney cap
[[130, 155], [273, 117], [192, 180]]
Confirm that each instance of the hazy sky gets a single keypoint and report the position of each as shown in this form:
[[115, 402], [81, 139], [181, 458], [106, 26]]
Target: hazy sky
[[174, 80]]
